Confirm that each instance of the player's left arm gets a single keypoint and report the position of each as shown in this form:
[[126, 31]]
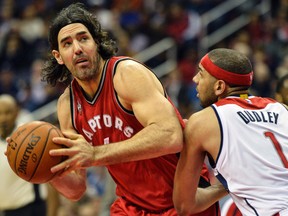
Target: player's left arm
[[70, 183], [53, 201], [199, 134], [140, 91]]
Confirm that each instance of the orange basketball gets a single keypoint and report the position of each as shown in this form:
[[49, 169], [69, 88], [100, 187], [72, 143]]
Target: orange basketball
[[28, 151]]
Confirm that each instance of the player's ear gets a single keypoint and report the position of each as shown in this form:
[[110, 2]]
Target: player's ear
[[57, 56], [219, 87]]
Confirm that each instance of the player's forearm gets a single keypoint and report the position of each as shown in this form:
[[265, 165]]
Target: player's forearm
[[152, 141], [53, 201], [161, 138], [205, 197], [72, 186]]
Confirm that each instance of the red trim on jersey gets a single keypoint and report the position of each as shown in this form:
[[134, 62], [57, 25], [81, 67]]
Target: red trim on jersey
[[233, 210], [249, 103], [227, 76]]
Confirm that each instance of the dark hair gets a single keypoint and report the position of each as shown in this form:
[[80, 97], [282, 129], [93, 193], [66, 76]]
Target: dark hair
[[230, 60], [53, 72]]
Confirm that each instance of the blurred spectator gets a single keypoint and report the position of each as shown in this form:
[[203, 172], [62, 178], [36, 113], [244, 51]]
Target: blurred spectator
[[182, 94], [282, 26], [177, 22], [282, 68], [31, 27], [14, 52], [6, 20], [256, 29], [188, 64], [281, 93], [37, 93], [8, 80], [262, 81], [241, 43]]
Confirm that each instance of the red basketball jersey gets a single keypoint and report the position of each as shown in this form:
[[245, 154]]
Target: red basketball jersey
[[102, 120]]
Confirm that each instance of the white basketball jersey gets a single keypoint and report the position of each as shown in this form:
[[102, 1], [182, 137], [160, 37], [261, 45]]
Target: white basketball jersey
[[253, 158]]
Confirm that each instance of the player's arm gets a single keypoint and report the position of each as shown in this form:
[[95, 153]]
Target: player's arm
[[72, 185], [200, 135], [140, 91], [52, 202]]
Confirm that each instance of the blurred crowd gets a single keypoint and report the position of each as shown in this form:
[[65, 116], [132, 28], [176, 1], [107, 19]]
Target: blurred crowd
[[136, 25]]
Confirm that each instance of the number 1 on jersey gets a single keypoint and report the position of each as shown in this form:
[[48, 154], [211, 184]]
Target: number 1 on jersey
[[278, 148]]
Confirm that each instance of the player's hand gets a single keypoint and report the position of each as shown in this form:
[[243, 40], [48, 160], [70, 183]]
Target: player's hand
[[79, 153]]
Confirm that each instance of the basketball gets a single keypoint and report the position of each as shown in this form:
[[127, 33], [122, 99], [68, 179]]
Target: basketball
[[28, 151]]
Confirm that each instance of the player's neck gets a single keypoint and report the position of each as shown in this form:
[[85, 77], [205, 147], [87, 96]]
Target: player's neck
[[237, 91], [91, 86]]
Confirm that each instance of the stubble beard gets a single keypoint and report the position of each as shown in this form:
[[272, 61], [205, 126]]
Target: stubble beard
[[208, 101], [87, 74]]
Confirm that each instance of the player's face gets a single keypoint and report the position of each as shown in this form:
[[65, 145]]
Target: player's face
[[78, 51], [205, 87], [8, 115]]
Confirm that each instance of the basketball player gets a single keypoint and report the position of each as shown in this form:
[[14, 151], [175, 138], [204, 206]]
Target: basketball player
[[228, 207], [115, 113], [246, 141], [281, 95], [19, 197]]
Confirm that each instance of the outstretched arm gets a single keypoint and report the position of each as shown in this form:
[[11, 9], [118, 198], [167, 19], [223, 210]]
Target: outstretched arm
[[199, 138]]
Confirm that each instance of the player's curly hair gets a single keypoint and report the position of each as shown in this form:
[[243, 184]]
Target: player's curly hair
[[53, 72]]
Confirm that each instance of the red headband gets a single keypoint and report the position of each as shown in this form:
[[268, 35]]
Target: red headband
[[227, 76]]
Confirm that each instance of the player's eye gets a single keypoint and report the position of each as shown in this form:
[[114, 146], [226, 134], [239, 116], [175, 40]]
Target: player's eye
[[84, 38], [67, 44]]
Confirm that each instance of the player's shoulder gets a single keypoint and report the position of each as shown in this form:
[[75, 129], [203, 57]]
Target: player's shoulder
[[65, 94], [130, 65], [203, 114], [202, 119], [133, 73], [64, 98], [203, 131], [123, 62]]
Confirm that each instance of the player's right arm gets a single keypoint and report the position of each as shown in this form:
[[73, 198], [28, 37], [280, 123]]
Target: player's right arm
[[200, 138], [72, 185]]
